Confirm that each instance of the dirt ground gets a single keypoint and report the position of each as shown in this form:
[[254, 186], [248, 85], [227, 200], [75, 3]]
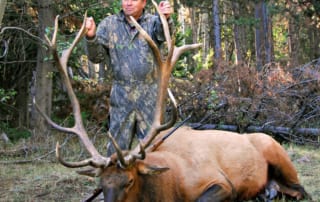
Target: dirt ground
[[40, 181]]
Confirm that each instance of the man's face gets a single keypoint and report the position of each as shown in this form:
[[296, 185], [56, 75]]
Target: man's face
[[133, 7]]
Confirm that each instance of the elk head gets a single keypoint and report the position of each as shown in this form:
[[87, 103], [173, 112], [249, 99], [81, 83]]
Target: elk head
[[119, 172]]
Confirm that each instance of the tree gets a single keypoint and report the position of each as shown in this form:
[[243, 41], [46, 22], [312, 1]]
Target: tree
[[205, 34], [263, 35], [237, 34], [43, 83], [252, 33], [216, 30], [3, 4]]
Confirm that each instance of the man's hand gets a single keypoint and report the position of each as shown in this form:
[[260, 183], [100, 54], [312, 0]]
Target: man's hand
[[165, 8], [91, 27]]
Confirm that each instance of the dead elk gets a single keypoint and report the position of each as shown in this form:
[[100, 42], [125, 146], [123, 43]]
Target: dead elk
[[208, 165], [187, 166]]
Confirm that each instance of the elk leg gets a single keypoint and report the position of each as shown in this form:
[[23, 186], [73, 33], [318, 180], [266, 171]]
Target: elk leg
[[294, 191], [215, 194]]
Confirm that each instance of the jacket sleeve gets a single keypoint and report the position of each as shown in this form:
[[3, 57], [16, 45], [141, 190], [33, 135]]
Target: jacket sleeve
[[158, 29], [96, 48]]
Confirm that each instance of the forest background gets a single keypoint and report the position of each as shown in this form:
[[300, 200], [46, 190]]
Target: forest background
[[258, 69]]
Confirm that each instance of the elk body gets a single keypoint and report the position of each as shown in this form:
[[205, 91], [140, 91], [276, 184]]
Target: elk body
[[190, 165], [208, 165]]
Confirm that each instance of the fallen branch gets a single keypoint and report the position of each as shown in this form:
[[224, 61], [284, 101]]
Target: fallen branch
[[23, 151]]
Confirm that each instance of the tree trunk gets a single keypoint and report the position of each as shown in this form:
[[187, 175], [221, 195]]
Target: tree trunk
[[263, 34], [293, 43], [293, 34], [216, 30], [316, 43], [236, 31], [314, 38], [266, 31], [205, 36], [259, 35], [192, 13], [23, 98], [43, 82], [3, 4], [176, 5]]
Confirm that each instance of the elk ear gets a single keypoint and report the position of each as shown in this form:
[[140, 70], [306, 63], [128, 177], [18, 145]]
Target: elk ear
[[146, 169]]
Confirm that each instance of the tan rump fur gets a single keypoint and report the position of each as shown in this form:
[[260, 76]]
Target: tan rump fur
[[200, 159]]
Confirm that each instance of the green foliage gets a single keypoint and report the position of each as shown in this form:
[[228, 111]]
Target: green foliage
[[200, 64], [213, 100], [183, 67], [249, 21], [6, 95], [15, 134], [69, 120], [280, 35], [98, 11], [115, 6]]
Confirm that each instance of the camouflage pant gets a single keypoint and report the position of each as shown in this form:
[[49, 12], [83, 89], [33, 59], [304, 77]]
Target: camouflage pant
[[131, 112]]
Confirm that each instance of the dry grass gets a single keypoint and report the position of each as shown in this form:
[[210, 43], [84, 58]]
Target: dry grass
[[307, 162], [42, 182], [53, 182]]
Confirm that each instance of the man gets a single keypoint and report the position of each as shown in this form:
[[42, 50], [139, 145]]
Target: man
[[133, 67]]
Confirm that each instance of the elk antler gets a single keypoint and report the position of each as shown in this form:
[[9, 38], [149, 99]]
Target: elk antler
[[97, 160], [165, 69]]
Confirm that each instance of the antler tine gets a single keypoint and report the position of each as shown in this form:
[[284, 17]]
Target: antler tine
[[49, 120], [155, 129], [121, 160], [97, 159], [66, 54], [86, 162], [52, 43], [165, 26], [126, 161], [179, 50], [139, 152], [55, 33], [151, 43]]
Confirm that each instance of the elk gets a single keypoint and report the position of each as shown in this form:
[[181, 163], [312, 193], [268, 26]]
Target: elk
[[189, 165]]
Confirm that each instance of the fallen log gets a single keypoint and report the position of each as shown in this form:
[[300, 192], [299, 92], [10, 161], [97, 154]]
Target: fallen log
[[297, 135]]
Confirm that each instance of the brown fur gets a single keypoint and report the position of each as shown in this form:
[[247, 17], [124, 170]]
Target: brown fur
[[198, 160]]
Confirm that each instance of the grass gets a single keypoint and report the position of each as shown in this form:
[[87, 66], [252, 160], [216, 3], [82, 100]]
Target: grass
[[307, 162], [51, 181], [42, 182]]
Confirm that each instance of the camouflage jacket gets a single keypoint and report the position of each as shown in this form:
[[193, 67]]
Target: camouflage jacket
[[126, 52]]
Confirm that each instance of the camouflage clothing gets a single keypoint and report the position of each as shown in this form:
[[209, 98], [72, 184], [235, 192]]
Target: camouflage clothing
[[134, 72]]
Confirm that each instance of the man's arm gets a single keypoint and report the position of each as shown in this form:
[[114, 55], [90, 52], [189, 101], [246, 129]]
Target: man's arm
[[95, 50], [166, 9]]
